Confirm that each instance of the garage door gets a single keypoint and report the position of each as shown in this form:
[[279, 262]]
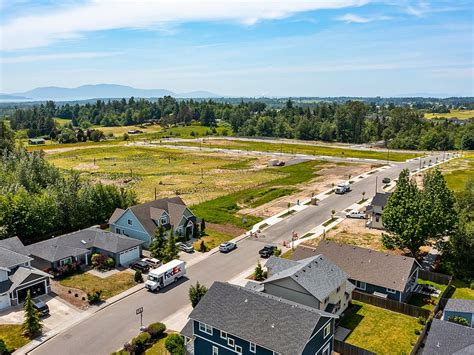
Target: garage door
[[35, 290], [128, 256], [4, 301]]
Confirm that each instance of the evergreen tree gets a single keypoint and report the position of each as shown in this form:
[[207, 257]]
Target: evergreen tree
[[258, 273], [196, 293], [171, 249], [157, 245], [32, 322]]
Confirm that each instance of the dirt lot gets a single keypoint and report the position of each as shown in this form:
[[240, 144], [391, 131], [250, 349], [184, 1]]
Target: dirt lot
[[69, 295], [327, 175]]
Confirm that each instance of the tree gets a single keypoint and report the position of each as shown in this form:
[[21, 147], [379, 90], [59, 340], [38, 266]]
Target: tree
[[202, 247], [203, 226], [174, 343], [138, 276], [7, 141], [3, 348], [171, 249], [405, 217], [157, 245], [32, 324], [196, 293], [258, 273]]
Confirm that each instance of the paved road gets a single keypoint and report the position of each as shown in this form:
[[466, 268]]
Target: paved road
[[110, 328]]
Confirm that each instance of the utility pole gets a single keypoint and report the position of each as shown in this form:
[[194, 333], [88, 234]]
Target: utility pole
[[155, 193], [376, 183]]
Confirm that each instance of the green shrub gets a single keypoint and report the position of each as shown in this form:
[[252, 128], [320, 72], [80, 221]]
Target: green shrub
[[94, 297], [202, 247], [417, 331], [422, 320], [174, 343], [276, 252], [4, 350], [459, 320], [140, 342], [138, 276], [156, 329], [109, 263]]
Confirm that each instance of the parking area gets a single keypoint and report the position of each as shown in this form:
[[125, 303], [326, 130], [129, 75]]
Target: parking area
[[59, 312]]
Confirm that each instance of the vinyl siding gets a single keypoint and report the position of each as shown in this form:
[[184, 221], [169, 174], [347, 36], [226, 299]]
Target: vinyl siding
[[135, 230], [290, 290]]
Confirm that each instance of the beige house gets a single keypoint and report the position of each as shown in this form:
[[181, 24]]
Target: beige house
[[375, 210]]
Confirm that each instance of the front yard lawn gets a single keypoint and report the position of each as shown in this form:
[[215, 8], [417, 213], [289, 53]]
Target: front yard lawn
[[12, 335], [158, 348], [212, 239], [110, 286], [380, 330], [462, 291]]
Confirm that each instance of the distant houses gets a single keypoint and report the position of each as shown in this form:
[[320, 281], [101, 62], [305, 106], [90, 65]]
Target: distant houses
[[36, 141], [141, 221]]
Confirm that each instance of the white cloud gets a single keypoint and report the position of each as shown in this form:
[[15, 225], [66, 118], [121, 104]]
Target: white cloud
[[352, 18], [44, 57], [42, 29]]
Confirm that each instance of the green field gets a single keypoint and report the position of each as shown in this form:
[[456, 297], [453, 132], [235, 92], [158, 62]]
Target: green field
[[12, 335], [459, 114], [295, 148], [380, 330], [458, 171]]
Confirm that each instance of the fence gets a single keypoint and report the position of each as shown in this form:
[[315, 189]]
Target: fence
[[389, 304], [434, 277], [349, 349]]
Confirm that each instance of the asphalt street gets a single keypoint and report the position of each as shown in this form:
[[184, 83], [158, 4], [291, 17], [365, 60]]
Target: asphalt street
[[110, 328]]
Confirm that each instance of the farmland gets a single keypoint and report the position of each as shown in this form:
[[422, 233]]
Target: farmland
[[459, 114]]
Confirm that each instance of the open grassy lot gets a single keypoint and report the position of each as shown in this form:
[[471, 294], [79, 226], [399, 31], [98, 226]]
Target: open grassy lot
[[458, 171], [212, 239], [459, 114], [300, 149], [12, 335], [110, 286], [462, 290], [380, 330]]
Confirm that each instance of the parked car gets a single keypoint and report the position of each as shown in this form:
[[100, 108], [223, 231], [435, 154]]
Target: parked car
[[152, 262], [187, 248], [343, 188], [386, 180], [267, 251], [356, 214], [280, 163], [227, 246], [41, 307], [141, 266]]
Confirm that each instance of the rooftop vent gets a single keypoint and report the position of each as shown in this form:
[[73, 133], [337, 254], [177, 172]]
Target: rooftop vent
[[83, 241]]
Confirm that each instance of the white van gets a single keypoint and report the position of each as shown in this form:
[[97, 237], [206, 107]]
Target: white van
[[164, 275], [343, 188]]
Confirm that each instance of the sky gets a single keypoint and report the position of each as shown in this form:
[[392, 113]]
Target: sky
[[241, 47]]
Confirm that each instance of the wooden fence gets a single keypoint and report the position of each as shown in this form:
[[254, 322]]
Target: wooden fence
[[349, 349], [389, 304], [434, 277]]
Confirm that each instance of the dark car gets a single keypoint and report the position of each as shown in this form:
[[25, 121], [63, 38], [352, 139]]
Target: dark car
[[140, 266], [41, 307], [267, 251], [386, 180]]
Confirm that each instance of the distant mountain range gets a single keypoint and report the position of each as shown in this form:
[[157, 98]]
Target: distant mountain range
[[99, 91]]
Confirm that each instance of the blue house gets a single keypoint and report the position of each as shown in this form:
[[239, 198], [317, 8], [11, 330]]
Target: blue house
[[141, 221], [459, 308], [231, 319], [379, 273]]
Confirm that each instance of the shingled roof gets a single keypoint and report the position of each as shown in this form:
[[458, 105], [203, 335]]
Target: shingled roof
[[79, 243], [317, 274], [380, 199], [459, 305], [366, 265], [449, 338], [13, 253], [273, 323]]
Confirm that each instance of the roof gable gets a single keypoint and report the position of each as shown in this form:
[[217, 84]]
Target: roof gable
[[449, 338]]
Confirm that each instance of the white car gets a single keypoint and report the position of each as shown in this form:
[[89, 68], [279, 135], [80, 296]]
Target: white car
[[356, 214], [227, 246]]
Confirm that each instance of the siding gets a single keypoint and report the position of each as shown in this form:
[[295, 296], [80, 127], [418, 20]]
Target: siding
[[374, 288], [135, 230], [290, 290], [317, 343]]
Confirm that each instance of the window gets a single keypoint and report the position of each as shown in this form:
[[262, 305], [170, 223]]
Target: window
[[326, 350], [327, 330], [361, 285], [326, 300], [238, 349], [390, 290], [377, 219], [223, 335], [205, 328], [129, 222], [215, 350], [65, 261], [253, 347], [338, 289], [231, 342], [164, 220]]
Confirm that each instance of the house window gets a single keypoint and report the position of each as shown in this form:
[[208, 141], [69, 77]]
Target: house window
[[205, 328], [338, 289], [377, 219], [326, 300], [223, 335], [164, 220], [253, 347], [231, 342], [129, 222], [215, 350], [326, 350], [390, 290], [118, 231], [65, 261], [238, 349], [360, 285], [327, 330]]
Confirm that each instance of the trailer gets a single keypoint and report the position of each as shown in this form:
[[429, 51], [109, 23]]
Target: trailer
[[165, 274]]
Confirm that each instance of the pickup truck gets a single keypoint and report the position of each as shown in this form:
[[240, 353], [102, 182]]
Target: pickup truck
[[343, 188], [267, 251]]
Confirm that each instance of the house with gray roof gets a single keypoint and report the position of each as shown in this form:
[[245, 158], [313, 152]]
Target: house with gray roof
[[459, 308], [380, 273], [375, 210], [315, 282], [447, 338], [17, 276], [79, 247], [141, 221], [231, 319]]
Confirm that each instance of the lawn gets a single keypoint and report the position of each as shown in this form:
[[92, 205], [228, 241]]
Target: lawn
[[295, 148], [462, 290], [110, 286], [212, 239], [458, 171], [158, 348], [380, 330], [459, 114], [426, 302], [11, 334]]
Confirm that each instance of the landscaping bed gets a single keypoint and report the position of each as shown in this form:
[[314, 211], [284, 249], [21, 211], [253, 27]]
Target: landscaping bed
[[12, 335], [380, 330]]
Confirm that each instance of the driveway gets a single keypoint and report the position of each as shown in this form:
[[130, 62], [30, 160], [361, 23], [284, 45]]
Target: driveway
[[59, 313]]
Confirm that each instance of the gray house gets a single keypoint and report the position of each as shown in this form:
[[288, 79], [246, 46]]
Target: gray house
[[375, 210], [382, 274], [79, 247], [235, 320], [459, 308], [446, 338], [141, 221], [17, 276], [315, 282]]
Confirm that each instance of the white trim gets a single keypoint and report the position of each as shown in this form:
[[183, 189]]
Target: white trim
[[326, 348], [215, 350], [253, 347], [229, 340], [203, 327], [213, 342], [325, 344], [361, 282], [319, 330], [237, 347], [222, 335], [328, 328]]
